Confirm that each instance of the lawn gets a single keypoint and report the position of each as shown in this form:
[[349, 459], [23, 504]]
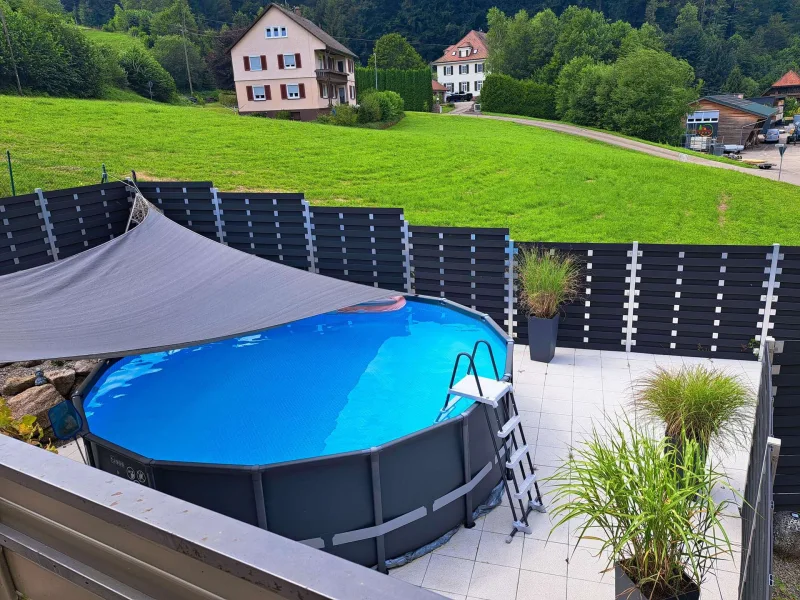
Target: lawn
[[442, 170], [120, 41]]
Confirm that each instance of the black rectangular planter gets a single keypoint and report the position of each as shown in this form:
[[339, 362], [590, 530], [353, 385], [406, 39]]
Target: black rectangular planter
[[625, 589], [542, 336]]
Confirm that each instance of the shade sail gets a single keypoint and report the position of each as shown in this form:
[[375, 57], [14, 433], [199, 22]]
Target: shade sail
[[156, 287]]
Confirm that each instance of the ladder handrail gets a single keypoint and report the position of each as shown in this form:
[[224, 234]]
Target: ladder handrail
[[491, 356], [471, 369]]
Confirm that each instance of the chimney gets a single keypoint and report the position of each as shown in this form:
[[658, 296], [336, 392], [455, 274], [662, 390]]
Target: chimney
[[298, 11]]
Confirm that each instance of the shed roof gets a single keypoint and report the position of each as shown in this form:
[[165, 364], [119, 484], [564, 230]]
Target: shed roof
[[475, 39], [741, 104], [437, 87], [315, 30]]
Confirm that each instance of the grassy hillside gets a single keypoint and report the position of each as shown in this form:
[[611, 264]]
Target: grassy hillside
[[118, 40], [443, 170]]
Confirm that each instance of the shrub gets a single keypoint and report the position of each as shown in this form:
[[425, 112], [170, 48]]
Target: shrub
[[282, 115], [228, 99], [396, 105], [504, 94], [370, 109], [702, 402], [345, 115], [548, 281], [650, 505], [140, 68]]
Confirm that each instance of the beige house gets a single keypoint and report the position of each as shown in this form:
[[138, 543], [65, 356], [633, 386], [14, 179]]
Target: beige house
[[283, 62]]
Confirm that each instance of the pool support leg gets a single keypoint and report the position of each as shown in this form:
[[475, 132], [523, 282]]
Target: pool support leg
[[469, 522], [377, 507]]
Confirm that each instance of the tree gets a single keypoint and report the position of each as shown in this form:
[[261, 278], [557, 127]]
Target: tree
[[168, 50], [650, 94], [394, 52], [687, 41], [171, 20], [141, 68], [738, 83], [581, 93], [219, 60]]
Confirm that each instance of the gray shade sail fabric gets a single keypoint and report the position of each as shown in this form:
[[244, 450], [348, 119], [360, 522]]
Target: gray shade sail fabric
[[158, 286]]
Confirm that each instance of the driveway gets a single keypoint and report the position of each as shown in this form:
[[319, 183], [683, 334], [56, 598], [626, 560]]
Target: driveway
[[791, 160], [462, 108], [770, 153]]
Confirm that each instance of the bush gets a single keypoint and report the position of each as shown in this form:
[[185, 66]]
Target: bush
[[504, 94], [582, 92], [370, 109], [396, 105], [140, 68], [282, 115], [345, 115], [228, 99]]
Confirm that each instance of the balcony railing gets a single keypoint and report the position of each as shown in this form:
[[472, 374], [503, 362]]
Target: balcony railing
[[332, 75]]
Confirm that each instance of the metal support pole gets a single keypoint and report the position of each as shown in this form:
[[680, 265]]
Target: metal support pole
[[215, 200], [261, 506], [11, 173], [632, 297], [510, 307], [104, 178], [469, 522], [407, 255], [377, 507], [51, 238], [309, 236], [769, 298]]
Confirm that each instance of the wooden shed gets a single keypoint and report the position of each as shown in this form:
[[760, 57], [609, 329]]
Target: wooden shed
[[738, 121]]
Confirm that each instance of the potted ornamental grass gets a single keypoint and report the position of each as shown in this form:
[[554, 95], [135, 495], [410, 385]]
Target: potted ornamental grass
[[702, 403], [548, 280], [649, 505]]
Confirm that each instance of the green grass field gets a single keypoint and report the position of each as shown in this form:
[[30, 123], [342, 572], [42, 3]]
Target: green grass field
[[118, 40], [442, 170]]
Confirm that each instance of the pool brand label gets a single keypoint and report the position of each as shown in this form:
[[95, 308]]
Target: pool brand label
[[131, 470]]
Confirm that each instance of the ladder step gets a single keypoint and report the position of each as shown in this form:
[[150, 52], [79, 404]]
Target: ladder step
[[525, 487], [514, 459], [491, 390], [510, 425]]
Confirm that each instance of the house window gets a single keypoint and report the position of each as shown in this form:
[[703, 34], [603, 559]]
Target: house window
[[340, 66], [293, 91], [462, 52], [479, 68], [289, 62], [324, 90], [352, 92], [478, 86], [275, 32], [259, 95], [464, 87], [463, 69], [448, 70], [450, 87], [255, 63]]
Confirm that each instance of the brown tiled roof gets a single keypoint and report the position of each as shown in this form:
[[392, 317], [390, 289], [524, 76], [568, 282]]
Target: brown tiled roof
[[309, 26], [476, 39], [438, 87], [789, 79]]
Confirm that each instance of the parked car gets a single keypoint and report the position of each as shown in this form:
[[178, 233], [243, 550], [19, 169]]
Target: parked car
[[458, 97], [773, 136]]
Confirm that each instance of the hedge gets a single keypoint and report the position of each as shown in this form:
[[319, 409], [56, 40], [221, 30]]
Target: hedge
[[504, 94], [413, 85]]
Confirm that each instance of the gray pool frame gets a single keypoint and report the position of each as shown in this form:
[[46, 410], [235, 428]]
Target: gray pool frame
[[366, 506]]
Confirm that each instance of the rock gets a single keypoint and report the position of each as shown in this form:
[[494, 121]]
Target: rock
[[63, 379], [3, 365], [30, 363], [35, 401], [786, 534], [16, 385], [84, 367]]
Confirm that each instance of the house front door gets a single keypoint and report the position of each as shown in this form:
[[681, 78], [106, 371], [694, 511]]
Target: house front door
[[342, 96]]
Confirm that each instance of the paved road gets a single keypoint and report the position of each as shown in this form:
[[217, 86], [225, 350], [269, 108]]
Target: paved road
[[791, 161]]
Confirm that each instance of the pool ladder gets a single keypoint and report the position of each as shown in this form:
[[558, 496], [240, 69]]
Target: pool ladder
[[498, 393]]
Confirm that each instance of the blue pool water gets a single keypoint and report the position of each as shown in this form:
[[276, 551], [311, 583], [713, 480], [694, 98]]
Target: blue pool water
[[328, 384]]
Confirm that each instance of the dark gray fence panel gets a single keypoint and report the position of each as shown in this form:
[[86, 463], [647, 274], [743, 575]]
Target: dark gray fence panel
[[87, 216], [597, 319], [468, 266], [23, 236], [786, 387], [272, 226], [786, 319], [701, 300], [364, 245], [755, 575], [190, 203]]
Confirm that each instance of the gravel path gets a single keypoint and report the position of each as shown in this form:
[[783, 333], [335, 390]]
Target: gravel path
[[622, 142]]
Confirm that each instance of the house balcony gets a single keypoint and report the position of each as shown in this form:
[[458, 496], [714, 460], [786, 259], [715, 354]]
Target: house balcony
[[331, 75]]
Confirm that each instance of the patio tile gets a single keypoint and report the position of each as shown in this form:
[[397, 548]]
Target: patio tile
[[493, 582], [558, 407], [567, 370], [537, 586], [613, 354], [542, 530], [553, 438], [614, 363], [588, 396], [544, 557], [728, 583], [585, 564], [464, 544], [499, 520], [448, 574], [562, 394], [587, 383], [586, 352], [583, 590], [494, 550], [530, 419], [528, 389], [616, 384], [587, 409], [583, 361], [449, 595], [413, 572], [558, 422], [528, 403]]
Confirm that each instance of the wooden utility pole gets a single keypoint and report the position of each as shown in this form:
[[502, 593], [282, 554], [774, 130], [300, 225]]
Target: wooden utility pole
[[185, 51], [10, 49]]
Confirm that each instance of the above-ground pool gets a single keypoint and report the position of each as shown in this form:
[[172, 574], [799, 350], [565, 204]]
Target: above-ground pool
[[323, 430]]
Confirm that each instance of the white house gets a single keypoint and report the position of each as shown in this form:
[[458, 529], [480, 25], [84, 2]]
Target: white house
[[462, 66]]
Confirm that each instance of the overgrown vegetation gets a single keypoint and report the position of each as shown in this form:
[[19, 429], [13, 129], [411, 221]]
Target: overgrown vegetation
[[548, 281], [544, 186], [25, 429], [376, 107], [649, 505]]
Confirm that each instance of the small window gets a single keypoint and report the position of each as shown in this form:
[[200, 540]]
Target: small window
[[283, 32], [288, 61], [478, 86], [258, 93], [463, 69], [479, 68], [450, 87], [293, 90], [352, 92], [255, 63], [340, 66], [275, 32], [448, 70], [324, 90]]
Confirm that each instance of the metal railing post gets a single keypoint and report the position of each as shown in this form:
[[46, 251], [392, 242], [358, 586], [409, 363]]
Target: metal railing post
[[770, 284], [407, 255], [309, 236], [215, 200], [51, 238], [510, 307], [631, 293]]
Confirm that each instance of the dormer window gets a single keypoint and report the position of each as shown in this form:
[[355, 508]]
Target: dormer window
[[275, 32], [462, 52]]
